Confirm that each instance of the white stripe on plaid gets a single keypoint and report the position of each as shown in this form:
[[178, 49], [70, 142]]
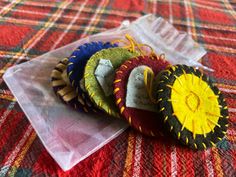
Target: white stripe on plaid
[[207, 5], [51, 15], [173, 161], [187, 16], [12, 156], [230, 8], [6, 113], [208, 161], [40, 35], [227, 90], [210, 6], [12, 56], [232, 109], [43, 23], [137, 155], [231, 132], [94, 18], [218, 48], [214, 37], [154, 9], [207, 26], [88, 9], [170, 12], [8, 7], [69, 26], [75, 27]]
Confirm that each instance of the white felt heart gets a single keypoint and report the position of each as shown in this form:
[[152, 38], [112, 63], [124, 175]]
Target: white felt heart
[[137, 95], [105, 74]]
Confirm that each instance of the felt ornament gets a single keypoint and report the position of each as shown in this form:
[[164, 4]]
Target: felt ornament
[[116, 56], [79, 58], [192, 107], [77, 62], [146, 121], [65, 91]]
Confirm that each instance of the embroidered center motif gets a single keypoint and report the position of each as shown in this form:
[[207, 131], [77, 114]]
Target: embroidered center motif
[[194, 104]]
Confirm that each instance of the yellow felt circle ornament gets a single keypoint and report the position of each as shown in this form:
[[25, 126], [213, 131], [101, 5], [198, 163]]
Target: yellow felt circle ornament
[[192, 108]]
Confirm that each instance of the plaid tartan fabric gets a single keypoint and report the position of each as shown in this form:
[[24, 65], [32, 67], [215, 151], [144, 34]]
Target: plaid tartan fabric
[[31, 28]]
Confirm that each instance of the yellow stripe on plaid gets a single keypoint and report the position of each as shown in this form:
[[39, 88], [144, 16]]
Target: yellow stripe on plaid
[[2, 71], [7, 97], [48, 24], [192, 21], [65, 31], [21, 156], [96, 17], [120, 12], [217, 162], [208, 26], [129, 155], [231, 135], [232, 139], [215, 37], [56, 25], [11, 54], [117, 22], [7, 8], [11, 158], [37, 36], [196, 4], [189, 18], [219, 48], [230, 8], [4, 11], [226, 86]]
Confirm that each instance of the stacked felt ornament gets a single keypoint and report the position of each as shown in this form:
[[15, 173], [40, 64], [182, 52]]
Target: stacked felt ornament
[[68, 82], [133, 98], [192, 107], [132, 83], [99, 76]]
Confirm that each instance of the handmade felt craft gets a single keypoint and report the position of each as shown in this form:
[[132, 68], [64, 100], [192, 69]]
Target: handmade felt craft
[[192, 107], [77, 62], [79, 58], [65, 91], [116, 56], [146, 121]]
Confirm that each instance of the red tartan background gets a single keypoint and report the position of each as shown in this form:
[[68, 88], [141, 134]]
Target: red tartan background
[[31, 28]]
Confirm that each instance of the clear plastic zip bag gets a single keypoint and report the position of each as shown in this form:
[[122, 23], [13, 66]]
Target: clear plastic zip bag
[[70, 136]]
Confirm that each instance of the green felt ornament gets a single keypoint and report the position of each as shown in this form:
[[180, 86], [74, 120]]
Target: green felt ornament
[[116, 56]]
